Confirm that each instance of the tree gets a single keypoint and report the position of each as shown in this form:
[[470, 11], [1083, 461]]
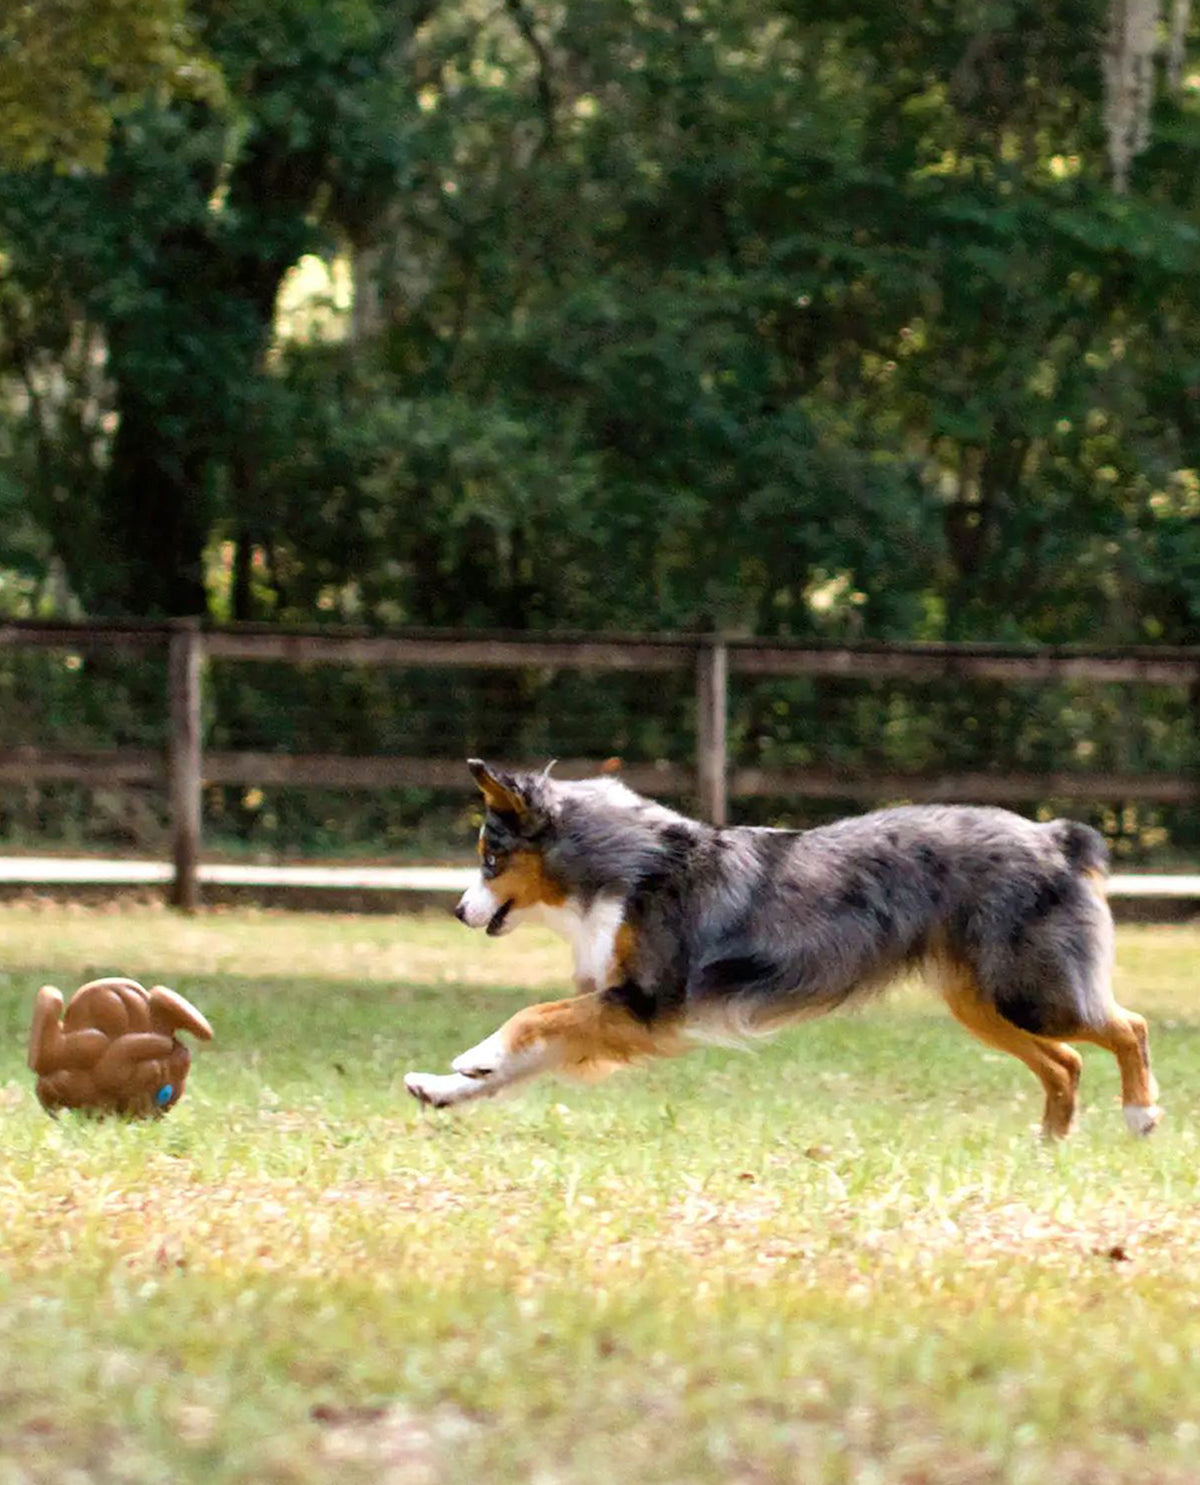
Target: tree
[[664, 316], [176, 251], [69, 68]]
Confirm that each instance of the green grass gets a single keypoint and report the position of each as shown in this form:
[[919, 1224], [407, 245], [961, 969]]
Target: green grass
[[841, 1258]]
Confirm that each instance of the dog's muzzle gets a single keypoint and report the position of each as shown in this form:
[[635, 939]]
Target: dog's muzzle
[[480, 907], [496, 925]]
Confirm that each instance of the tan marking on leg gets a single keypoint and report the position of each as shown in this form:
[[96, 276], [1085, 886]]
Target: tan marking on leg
[[586, 1037], [1126, 1037], [625, 951], [1124, 1034], [1056, 1065], [589, 1036]]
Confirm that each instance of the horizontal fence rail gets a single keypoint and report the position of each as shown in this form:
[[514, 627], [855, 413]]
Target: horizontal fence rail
[[184, 767], [332, 770], [1147, 664]]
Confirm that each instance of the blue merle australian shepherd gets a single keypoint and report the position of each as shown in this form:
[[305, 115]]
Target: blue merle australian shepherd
[[683, 932]]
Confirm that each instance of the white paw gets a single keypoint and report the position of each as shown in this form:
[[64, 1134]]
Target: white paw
[[1142, 1118], [437, 1091]]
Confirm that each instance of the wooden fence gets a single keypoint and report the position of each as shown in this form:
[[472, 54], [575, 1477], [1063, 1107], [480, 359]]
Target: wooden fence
[[186, 766]]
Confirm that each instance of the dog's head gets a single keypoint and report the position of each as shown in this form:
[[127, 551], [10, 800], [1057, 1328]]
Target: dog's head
[[513, 881]]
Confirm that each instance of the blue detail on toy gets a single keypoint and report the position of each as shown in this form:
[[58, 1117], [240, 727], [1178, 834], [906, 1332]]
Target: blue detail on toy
[[164, 1095]]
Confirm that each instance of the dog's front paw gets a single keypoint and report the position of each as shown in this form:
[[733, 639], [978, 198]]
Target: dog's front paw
[[436, 1091], [484, 1061]]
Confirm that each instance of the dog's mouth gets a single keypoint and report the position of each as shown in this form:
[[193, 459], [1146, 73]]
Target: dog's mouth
[[497, 921]]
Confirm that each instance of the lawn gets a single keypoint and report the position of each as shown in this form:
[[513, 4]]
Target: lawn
[[841, 1258]]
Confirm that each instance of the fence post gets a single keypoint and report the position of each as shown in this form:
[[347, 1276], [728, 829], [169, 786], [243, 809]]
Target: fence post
[[712, 686], [184, 760]]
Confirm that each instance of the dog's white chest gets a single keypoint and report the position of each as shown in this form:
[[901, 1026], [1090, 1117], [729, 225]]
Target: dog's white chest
[[592, 934]]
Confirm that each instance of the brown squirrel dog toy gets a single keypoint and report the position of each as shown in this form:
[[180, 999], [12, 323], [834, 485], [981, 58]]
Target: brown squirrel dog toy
[[115, 1051]]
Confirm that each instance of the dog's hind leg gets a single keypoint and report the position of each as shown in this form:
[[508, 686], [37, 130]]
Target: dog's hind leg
[[585, 1037], [1056, 1065], [1124, 1035], [1121, 1032]]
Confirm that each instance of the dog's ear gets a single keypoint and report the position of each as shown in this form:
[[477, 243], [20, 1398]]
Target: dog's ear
[[500, 791]]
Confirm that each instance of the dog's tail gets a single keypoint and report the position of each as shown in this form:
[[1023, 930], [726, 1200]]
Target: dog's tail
[[1084, 848]]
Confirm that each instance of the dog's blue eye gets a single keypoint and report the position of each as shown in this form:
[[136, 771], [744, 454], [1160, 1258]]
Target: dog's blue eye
[[489, 862], [163, 1096]]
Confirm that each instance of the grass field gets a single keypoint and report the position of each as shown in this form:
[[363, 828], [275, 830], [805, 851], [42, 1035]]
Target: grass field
[[842, 1258]]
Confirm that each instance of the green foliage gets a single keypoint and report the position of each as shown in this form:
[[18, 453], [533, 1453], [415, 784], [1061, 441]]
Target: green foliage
[[664, 318], [815, 321], [70, 68], [175, 253]]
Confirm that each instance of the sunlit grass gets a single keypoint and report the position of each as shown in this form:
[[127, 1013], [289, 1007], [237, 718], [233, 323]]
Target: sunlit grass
[[842, 1258]]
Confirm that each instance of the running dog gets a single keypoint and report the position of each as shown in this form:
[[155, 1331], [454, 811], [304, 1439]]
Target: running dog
[[683, 932]]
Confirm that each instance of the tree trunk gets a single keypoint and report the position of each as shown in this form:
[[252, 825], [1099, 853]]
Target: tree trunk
[[187, 406], [154, 520]]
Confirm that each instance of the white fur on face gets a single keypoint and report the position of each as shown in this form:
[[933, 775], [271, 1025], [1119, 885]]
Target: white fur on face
[[591, 932], [479, 904]]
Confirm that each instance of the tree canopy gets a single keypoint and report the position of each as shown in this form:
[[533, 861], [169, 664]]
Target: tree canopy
[[791, 318], [68, 68]]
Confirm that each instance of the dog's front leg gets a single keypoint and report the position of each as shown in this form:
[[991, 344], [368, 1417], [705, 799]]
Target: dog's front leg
[[584, 1037], [510, 1055], [484, 1071]]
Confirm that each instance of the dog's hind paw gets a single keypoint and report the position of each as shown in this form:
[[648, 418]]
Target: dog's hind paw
[[1142, 1118]]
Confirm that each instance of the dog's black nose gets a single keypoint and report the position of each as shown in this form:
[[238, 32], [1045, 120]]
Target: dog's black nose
[[460, 913]]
